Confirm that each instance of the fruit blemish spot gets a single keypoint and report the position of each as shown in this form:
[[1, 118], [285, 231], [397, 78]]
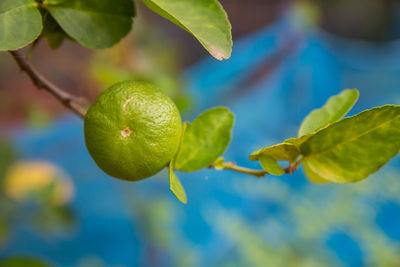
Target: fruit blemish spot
[[126, 103], [126, 132]]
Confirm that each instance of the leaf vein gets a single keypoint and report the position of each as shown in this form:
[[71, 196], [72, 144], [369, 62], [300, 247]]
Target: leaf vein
[[354, 138]]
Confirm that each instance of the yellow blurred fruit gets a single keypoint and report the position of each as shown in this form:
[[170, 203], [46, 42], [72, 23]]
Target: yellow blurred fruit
[[25, 180]]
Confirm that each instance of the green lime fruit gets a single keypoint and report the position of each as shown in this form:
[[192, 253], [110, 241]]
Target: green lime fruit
[[132, 131]]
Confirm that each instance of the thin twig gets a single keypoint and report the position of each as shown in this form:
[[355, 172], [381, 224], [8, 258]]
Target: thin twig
[[257, 173], [39, 81]]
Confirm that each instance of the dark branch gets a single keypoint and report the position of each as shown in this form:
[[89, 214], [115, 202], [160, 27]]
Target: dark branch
[[39, 81]]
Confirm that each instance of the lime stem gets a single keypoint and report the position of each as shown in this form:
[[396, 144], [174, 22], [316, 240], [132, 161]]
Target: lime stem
[[41, 82]]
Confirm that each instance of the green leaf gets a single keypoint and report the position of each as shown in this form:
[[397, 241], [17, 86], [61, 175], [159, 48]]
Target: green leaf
[[175, 185], [204, 19], [52, 32], [335, 109], [205, 139], [353, 148], [219, 164], [55, 39], [94, 23], [271, 165], [284, 151], [298, 140], [312, 176], [20, 23]]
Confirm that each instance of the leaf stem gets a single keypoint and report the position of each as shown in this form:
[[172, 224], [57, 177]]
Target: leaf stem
[[233, 167], [257, 173], [41, 82]]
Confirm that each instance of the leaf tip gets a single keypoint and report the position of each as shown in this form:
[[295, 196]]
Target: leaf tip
[[253, 156], [218, 54], [176, 186]]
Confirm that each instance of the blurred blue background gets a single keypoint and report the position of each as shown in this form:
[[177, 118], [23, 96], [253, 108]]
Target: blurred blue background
[[278, 73]]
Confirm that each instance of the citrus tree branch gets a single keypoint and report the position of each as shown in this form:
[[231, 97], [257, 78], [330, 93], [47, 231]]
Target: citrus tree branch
[[73, 104], [41, 82], [257, 173]]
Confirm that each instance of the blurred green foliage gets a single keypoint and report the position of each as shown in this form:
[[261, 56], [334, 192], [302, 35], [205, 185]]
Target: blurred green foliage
[[158, 222], [7, 156], [146, 55], [35, 193], [296, 235], [21, 261]]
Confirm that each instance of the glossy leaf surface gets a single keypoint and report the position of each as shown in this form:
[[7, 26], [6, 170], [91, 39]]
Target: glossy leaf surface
[[205, 139], [335, 109], [352, 149], [93, 23], [20, 23], [204, 19]]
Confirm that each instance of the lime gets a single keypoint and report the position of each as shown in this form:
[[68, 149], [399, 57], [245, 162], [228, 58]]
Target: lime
[[132, 130]]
